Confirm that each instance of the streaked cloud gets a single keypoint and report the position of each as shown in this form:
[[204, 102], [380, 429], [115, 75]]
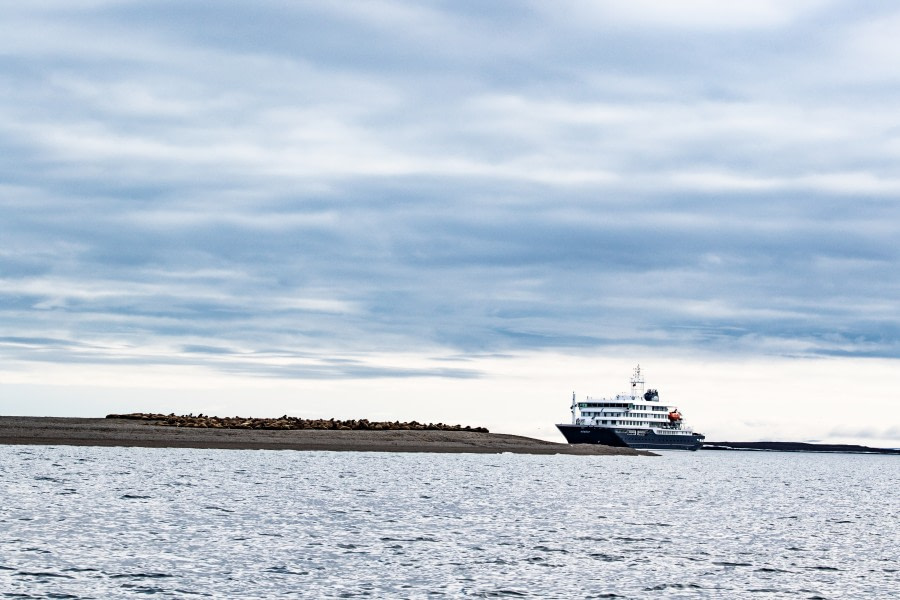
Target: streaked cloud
[[690, 15], [360, 178]]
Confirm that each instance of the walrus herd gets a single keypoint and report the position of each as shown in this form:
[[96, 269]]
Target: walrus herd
[[286, 422]]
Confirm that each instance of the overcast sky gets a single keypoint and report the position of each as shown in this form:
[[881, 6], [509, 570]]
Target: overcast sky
[[389, 199]]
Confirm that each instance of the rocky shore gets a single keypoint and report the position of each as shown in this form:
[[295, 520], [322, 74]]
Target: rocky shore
[[286, 422], [159, 433]]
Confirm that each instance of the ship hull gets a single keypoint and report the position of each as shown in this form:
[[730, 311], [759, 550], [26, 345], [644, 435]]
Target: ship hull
[[645, 439]]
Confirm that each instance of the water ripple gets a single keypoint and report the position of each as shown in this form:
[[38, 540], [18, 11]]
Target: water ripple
[[128, 522]]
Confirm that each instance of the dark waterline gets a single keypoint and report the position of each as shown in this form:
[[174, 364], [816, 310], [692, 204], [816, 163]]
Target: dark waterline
[[798, 447]]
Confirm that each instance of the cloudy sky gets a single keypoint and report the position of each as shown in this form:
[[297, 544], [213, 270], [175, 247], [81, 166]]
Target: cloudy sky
[[455, 211]]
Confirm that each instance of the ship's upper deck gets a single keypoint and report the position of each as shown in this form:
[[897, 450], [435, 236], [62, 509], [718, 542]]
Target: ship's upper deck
[[639, 409]]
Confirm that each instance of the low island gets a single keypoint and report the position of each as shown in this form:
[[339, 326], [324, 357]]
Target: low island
[[285, 433], [799, 447]]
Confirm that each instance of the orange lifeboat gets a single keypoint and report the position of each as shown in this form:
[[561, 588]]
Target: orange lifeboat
[[674, 416]]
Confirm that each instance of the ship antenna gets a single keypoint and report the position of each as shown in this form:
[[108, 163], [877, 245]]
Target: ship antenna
[[637, 380], [573, 408]]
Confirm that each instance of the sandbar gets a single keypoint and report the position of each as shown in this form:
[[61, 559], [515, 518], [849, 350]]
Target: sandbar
[[71, 431]]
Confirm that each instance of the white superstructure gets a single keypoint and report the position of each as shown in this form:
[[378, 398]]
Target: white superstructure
[[636, 411]]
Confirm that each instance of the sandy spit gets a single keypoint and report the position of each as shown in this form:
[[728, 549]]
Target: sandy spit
[[123, 432]]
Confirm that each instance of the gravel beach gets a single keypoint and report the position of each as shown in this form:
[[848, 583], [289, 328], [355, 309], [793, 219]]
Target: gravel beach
[[125, 432]]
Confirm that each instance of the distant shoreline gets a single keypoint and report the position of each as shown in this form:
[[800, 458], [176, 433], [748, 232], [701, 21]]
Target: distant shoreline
[[134, 433], [797, 447]]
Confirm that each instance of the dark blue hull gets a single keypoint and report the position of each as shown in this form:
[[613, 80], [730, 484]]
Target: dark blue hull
[[645, 439]]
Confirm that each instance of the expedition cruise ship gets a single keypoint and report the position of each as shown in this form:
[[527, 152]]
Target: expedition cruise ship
[[637, 420]]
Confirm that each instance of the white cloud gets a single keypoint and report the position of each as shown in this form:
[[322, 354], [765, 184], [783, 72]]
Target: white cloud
[[704, 15], [868, 51]]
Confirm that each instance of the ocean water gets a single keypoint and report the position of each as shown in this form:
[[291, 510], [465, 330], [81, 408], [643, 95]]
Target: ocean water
[[81, 522]]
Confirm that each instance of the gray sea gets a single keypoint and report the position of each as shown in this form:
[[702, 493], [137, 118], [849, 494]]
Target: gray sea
[[80, 522]]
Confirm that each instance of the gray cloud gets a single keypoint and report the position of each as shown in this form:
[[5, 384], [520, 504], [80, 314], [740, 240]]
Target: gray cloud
[[443, 178]]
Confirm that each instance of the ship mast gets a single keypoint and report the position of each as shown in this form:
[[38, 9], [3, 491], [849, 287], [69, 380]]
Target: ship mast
[[637, 383]]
